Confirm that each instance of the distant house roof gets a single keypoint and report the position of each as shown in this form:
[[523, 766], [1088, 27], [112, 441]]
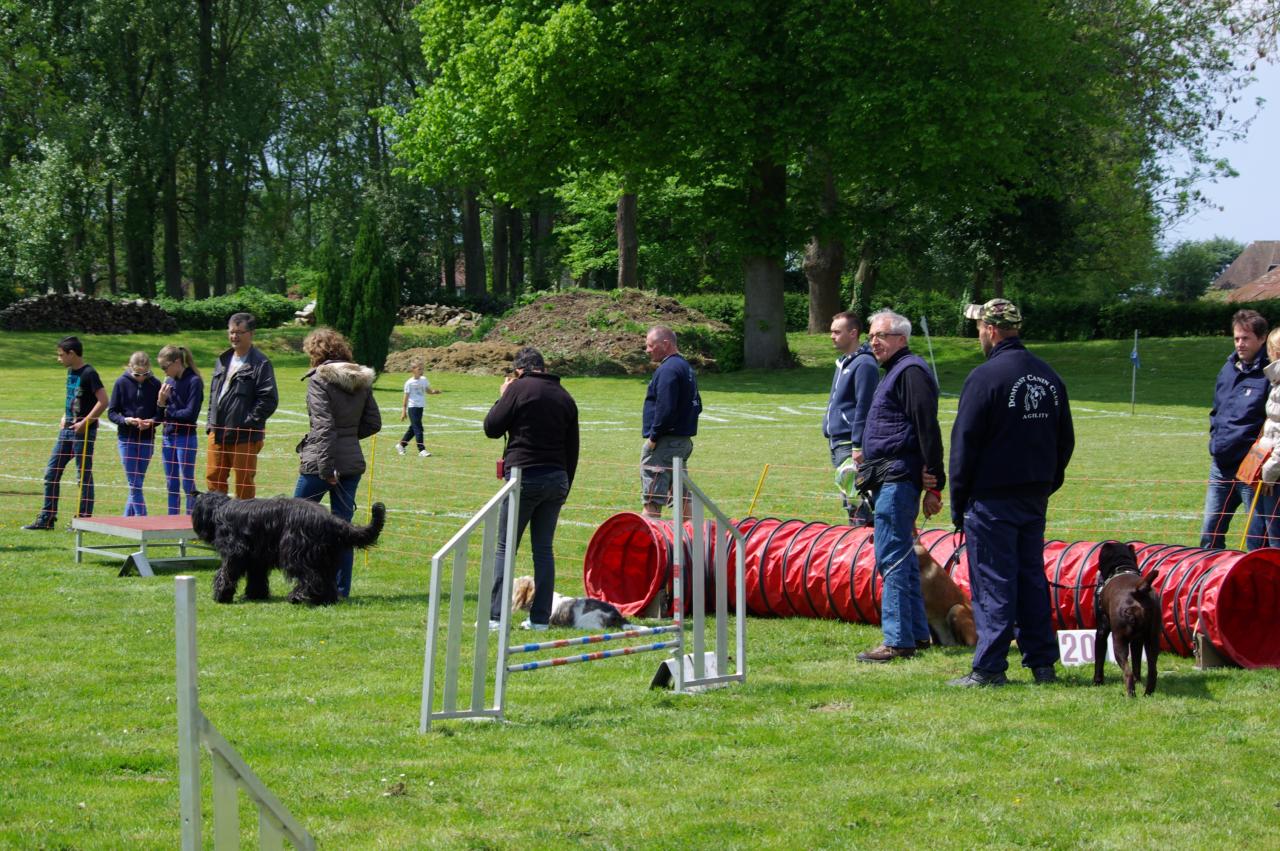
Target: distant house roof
[[1260, 289], [1254, 262]]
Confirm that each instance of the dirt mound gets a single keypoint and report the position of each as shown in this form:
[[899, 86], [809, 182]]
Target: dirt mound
[[591, 332], [583, 332]]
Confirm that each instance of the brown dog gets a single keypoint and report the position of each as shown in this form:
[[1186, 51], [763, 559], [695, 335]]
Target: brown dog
[[1127, 609], [950, 615]]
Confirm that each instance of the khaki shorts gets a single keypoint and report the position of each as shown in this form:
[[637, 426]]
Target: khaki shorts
[[656, 466]]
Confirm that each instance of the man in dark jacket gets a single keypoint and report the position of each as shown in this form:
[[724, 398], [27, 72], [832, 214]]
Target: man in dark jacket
[[902, 456], [1239, 409], [242, 395], [669, 420], [540, 421], [852, 387], [1010, 446]]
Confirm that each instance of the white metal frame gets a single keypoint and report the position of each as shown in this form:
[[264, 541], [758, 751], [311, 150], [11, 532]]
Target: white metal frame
[[457, 546], [135, 555], [696, 678], [230, 771]]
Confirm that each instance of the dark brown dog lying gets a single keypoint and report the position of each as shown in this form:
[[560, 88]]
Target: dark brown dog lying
[[950, 615], [1127, 609]]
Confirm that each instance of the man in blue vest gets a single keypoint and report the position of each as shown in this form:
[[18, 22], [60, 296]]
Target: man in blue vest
[[902, 456], [1010, 446], [852, 387], [1239, 408]]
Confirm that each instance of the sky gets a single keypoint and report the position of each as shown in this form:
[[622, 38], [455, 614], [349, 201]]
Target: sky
[[1248, 203]]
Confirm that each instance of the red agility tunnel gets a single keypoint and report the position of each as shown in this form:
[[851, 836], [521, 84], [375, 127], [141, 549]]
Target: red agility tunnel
[[800, 569]]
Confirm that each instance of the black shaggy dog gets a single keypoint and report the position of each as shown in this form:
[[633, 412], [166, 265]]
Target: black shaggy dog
[[299, 536]]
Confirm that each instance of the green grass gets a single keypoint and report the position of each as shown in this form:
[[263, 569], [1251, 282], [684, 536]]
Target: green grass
[[813, 751]]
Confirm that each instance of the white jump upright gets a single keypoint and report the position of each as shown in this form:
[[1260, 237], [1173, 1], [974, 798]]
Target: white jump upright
[[230, 771], [688, 672], [457, 545]]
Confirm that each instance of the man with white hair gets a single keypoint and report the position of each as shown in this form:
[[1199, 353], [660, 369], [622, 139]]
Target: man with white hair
[[902, 457], [669, 421]]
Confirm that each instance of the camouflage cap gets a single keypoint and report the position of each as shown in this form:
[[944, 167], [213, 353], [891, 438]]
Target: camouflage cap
[[999, 312]]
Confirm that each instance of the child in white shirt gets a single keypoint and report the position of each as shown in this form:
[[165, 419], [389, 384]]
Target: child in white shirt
[[416, 390]]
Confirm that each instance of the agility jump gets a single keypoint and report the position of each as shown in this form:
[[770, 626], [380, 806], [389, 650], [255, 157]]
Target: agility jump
[[686, 671]]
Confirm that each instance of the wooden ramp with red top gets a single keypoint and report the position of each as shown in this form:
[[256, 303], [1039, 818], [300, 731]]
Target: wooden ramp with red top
[[141, 532]]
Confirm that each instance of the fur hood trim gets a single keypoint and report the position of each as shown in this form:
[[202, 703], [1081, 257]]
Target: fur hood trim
[[351, 377]]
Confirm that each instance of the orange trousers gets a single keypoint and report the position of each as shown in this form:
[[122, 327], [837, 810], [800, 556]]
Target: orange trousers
[[220, 460]]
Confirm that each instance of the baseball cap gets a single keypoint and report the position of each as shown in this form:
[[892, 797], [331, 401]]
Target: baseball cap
[[999, 312]]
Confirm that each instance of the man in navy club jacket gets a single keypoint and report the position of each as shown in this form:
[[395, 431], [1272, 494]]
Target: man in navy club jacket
[[670, 418], [1239, 408], [1010, 446], [852, 387]]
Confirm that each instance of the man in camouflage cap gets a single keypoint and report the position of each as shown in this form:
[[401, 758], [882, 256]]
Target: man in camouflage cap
[[1010, 446]]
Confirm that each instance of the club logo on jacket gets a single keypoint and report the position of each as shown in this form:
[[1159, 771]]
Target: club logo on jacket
[[1034, 389]]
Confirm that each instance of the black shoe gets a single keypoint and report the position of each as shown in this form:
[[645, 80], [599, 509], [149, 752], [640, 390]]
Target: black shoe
[[39, 526], [921, 646], [1044, 675], [979, 678]]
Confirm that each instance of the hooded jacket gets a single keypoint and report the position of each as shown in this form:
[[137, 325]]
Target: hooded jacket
[[342, 412]]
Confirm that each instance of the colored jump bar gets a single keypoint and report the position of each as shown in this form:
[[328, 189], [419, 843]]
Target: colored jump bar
[[591, 657], [591, 639]]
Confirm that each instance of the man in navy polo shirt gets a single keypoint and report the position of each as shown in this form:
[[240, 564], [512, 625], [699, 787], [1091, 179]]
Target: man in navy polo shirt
[[1239, 408], [669, 419], [1010, 446], [852, 387]]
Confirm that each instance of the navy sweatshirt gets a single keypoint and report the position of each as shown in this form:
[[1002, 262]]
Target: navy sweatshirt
[[672, 402], [186, 399], [130, 398], [852, 387], [1239, 408]]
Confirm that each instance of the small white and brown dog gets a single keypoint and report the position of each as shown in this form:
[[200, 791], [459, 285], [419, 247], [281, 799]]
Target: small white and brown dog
[[572, 612]]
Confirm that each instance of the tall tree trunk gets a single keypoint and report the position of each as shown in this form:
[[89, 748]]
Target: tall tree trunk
[[997, 272], [237, 260], [541, 225], [222, 215], [628, 242], [764, 311], [824, 262], [110, 226], [202, 238], [172, 259], [515, 227], [865, 278], [138, 232], [501, 217], [448, 244], [472, 244]]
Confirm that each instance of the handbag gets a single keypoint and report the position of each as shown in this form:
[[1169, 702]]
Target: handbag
[[1250, 469]]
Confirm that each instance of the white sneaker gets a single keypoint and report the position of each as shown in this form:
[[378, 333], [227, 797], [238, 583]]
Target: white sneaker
[[494, 626], [400, 448], [423, 454], [536, 627]]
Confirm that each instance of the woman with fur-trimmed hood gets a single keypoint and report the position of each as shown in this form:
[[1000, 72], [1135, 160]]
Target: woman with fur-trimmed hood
[[342, 413]]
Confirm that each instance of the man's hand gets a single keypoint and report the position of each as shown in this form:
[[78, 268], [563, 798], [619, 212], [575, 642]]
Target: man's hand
[[930, 480], [857, 457], [932, 504], [507, 383]]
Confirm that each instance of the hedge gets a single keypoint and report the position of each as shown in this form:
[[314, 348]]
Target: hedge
[[269, 309]]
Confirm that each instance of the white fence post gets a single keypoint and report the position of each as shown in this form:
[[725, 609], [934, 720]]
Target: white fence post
[[188, 712]]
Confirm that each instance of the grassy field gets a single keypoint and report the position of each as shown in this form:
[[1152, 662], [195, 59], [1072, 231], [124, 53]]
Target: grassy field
[[813, 751]]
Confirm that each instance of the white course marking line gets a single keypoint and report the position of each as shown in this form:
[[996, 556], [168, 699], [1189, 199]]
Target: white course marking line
[[792, 411], [24, 423], [736, 413], [474, 423]]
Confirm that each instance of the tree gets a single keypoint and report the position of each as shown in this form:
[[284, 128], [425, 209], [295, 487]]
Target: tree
[[374, 289], [329, 291], [1189, 267]]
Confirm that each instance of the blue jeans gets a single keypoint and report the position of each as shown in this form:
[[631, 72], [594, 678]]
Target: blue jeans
[[1004, 540], [342, 502], [135, 456], [541, 497], [69, 445], [902, 614], [178, 450], [859, 512], [415, 429], [1221, 500]]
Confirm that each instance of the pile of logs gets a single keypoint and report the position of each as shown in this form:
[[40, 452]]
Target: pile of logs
[[441, 315], [79, 313]]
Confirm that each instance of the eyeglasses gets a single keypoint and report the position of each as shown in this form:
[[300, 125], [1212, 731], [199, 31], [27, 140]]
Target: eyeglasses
[[142, 374], [883, 335]]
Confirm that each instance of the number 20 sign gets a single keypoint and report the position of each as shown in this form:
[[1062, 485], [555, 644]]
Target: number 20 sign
[[1076, 647]]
